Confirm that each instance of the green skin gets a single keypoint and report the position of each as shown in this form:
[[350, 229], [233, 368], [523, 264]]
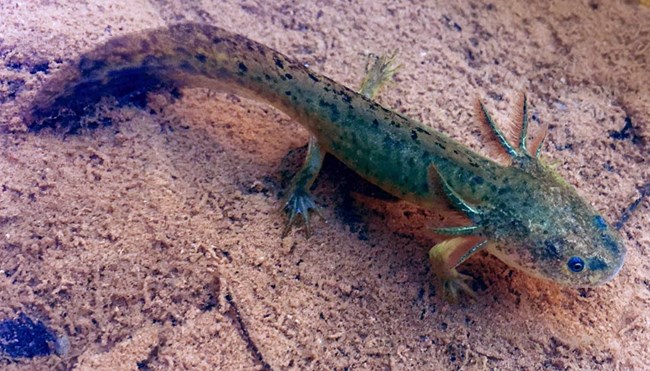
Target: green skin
[[524, 213]]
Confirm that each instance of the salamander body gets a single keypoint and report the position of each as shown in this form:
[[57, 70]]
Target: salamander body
[[524, 213]]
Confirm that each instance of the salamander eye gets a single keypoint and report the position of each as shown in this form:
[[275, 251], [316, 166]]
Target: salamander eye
[[576, 264]]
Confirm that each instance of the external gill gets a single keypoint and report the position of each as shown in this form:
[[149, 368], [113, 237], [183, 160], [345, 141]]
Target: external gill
[[522, 153], [447, 255], [525, 149]]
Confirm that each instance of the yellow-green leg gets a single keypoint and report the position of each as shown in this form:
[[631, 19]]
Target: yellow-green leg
[[446, 256], [379, 71]]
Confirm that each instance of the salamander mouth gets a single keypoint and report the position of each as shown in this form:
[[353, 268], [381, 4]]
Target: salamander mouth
[[611, 272], [595, 277], [597, 272]]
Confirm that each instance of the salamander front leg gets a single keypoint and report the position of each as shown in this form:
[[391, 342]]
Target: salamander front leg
[[299, 202], [446, 256]]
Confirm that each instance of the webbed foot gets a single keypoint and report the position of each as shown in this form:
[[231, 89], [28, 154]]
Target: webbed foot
[[446, 256], [299, 202], [298, 207], [455, 284], [379, 71]]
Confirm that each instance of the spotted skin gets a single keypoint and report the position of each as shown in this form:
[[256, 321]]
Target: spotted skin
[[523, 212]]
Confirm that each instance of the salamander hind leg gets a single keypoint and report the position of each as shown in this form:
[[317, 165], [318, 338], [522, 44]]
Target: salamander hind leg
[[379, 71], [299, 202]]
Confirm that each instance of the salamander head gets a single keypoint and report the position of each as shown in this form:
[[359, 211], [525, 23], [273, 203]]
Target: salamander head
[[576, 255], [536, 221], [556, 235]]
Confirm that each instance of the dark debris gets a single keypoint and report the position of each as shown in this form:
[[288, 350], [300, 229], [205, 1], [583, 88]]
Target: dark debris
[[24, 338], [629, 132], [645, 192]]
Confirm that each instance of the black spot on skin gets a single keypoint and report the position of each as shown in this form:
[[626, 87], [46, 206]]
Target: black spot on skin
[[279, 63], [477, 180], [334, 110], [288, 76], [609, 243], [504, 190], [187, 67], [552, 248], [421, 130], [201, 57], [311, 76], [216, 40], [441, 146], [345, 96], [242, 67], [287, 93], [182, 51], [375, 123], [88, 66], [129, 86], [474, 164], [414, 135], [597, 264], [599, 222], [267, 77], [395, 124], [150, 61]]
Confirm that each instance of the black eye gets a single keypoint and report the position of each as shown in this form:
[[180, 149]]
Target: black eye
[[576, 264]]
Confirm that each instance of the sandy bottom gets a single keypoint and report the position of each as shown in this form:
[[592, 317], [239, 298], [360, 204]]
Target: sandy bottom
[[155, 243]]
